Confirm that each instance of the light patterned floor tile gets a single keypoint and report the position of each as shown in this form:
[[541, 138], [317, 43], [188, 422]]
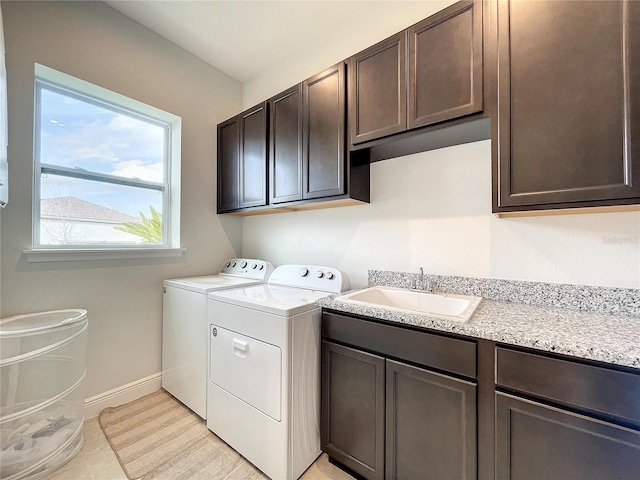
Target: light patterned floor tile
[[79, 471], [323, 470]]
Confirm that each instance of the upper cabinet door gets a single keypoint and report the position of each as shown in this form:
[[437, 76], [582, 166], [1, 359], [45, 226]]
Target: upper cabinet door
[[378, 90], [568, 125], [445, 65], [253, 157], [324, 134], [285, 146], [228, 162]]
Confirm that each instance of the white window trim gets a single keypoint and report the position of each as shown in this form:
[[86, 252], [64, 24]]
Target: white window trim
[[96, 254], [171, 222]]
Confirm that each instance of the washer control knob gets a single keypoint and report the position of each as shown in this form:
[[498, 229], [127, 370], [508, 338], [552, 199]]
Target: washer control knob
[[233, 264], [243, 264], [254, 266], [304, 272], [261, 267], [330, 275], [320, 274], [228, 264]]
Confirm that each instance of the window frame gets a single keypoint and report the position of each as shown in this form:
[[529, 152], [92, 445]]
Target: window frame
[[67, 85]]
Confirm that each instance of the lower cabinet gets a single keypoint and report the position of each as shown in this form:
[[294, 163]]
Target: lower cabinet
[[387, 419], [536, 441], [353, 409], [559, 418], [430, 425], [409, 403]]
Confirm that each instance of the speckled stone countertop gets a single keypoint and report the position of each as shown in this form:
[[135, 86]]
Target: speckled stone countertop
[[581, 326]]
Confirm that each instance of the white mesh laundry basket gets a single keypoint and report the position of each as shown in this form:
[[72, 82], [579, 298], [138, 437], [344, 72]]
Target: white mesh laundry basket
[[42, 367]]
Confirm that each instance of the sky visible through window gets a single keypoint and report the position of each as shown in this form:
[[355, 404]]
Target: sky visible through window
[[81, 135]]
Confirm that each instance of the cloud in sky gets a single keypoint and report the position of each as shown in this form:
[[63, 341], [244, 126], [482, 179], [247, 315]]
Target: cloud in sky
[[80, 134], [139, 169], [83, 135]]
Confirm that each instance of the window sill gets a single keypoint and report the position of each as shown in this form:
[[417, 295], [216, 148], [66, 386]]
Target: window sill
[[52, 255]]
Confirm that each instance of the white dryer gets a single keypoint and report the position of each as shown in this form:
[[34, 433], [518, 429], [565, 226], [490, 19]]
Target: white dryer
[[264, 367], [184, 327]]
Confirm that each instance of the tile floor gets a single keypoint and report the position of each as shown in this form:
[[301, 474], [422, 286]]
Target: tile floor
[[97, 461]]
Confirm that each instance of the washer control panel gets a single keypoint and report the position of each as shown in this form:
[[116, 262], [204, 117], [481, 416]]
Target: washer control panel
[[247, 268], [311, 277]]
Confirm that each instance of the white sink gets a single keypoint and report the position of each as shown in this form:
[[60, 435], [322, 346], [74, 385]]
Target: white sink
[[455, 307]]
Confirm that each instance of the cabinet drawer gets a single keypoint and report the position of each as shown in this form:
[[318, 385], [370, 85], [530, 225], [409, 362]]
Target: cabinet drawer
[[597, 389], [535, 441], [435, 351]]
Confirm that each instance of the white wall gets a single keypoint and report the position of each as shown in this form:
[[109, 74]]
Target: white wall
[[95, 43], [433, 210]]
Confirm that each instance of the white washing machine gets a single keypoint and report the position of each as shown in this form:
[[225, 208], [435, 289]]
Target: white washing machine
[[264, 368], [184, 327]]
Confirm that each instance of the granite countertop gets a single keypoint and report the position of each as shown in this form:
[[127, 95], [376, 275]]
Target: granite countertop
[[605, 337]]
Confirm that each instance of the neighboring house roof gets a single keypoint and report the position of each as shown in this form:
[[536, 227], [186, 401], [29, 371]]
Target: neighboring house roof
[[72, 208]]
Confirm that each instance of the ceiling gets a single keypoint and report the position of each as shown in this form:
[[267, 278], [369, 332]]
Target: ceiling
[[243, 38]]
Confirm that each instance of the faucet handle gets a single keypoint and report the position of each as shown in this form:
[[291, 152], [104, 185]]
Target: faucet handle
[[431, 286]]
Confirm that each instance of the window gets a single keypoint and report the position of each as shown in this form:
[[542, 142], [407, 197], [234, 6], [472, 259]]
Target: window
[[106, 168]]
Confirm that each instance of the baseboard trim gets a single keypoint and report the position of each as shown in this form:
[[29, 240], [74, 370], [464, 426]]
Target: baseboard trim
[[126, 393]]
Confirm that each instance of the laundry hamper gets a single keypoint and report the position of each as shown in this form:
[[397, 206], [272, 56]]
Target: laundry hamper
[[42, 367]]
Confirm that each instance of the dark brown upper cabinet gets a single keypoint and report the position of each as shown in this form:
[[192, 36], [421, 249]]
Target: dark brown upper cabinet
[[228, 164], [253, 157], [242, 160], [324, 147], [445, 65], [301, 156], [378, 90], [566, 130], [285, 146], [428, 74]]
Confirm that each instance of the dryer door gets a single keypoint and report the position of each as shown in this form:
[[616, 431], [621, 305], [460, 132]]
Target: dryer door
[[247, 368]]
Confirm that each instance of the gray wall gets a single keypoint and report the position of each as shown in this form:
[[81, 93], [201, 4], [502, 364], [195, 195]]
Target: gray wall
[[92, 41]]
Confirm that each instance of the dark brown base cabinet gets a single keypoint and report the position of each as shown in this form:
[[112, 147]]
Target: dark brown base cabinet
[[502, 413], [430, 425], [353, 401], [382, 418], [557, 418], [536, 442]]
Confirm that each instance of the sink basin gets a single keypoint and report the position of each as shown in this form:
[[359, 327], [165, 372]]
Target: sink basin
[[452, 306]]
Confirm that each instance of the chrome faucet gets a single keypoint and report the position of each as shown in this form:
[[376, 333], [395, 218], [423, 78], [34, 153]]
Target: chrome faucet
[[420, 283]]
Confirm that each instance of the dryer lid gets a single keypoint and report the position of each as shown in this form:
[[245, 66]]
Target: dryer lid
[[275, 299], [210, 283]]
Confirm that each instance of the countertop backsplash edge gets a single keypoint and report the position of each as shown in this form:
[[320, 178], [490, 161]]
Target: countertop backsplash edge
[[585, 298]]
